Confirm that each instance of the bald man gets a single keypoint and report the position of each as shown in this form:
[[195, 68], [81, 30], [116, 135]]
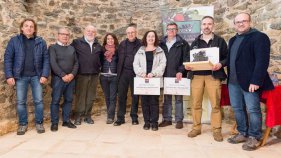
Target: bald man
[[247, 63], [89, 54]]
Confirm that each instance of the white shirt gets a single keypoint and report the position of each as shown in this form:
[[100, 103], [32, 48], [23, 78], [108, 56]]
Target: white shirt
[[171, 43], [90, 43]]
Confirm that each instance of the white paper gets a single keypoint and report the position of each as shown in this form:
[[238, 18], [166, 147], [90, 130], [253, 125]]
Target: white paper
[[174, 87], [205, 54], [146, 86]]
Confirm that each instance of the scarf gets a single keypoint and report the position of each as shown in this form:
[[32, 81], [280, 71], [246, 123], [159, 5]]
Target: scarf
[[110, 51]]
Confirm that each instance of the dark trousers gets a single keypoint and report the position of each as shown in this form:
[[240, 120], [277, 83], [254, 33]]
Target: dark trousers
[[60, 88], [86, 86], [109, 87], [125, 81], [150, 108]]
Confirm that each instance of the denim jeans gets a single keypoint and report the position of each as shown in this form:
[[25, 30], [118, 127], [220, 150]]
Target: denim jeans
[[247, 111], [109, 87], [60, 88], [21, 89], [167, 108]]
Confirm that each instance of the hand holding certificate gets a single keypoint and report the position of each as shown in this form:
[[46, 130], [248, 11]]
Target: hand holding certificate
[[146, 86], [203, 59]]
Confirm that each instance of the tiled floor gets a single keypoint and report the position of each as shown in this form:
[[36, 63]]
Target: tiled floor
[[127, 141]]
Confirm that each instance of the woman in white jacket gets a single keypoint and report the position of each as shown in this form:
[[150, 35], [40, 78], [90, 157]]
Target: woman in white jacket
[[150, 61]]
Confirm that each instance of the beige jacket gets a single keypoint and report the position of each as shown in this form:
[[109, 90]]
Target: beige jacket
[[159, 62]]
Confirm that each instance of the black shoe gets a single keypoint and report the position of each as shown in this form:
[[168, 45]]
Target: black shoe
[[146, 126], [135, 122], [77, 121], [154, 127], [54, 127], [119, 122], [68, 124], [89, 120]]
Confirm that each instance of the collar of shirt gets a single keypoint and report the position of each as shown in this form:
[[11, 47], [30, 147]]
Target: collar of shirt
[[61, 44], [90, 43], [170, 43]]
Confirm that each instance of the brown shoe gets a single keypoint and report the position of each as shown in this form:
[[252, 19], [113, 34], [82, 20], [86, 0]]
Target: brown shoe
[[218, 136], [179, 125], [193, 133], [165, 123]]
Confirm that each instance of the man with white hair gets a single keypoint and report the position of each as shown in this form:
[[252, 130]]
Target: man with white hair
[[89, 54]]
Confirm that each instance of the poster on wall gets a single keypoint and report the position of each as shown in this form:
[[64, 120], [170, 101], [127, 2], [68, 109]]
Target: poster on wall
[[187, 19]]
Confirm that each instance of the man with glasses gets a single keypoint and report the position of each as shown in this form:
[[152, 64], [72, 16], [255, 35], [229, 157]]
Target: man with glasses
[[125, 74], [26, 62], [89, 54], [248, 60], [64, 66], [177, 51]]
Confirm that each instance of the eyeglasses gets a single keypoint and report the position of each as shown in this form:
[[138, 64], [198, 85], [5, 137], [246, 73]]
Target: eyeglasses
[[241, 22], [128, 33], [64, 34], [172, 29]]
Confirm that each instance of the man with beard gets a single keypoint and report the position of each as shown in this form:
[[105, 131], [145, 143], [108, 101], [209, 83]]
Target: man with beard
[[89, 54], [209, 79]]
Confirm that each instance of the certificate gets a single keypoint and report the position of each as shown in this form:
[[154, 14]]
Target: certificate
[[146, 86], [174, 87]]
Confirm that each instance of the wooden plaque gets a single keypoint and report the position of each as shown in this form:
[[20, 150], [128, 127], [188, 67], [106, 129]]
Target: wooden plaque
[[200, 65]]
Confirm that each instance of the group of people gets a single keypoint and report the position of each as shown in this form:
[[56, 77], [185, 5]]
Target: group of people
[[81, 64]]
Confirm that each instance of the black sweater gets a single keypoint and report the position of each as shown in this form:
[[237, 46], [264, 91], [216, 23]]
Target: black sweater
[[63, 60]]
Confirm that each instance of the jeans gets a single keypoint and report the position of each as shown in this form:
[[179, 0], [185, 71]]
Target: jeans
[[21, 90], [150, 108], [167, 108], [60, 88], [247, 111], [125, 82], [109, 87]]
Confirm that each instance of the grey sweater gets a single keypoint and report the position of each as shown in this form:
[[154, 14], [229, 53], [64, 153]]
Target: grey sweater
[[63, 60]]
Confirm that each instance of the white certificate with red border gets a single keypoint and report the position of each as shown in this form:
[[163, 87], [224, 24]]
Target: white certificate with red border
[[146, 86], [172, 86]]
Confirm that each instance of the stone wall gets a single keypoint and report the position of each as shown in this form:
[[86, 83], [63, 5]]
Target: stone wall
[[113, 16]]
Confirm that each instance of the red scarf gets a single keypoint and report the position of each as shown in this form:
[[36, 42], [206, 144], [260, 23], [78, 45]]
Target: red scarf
[[110, 51]]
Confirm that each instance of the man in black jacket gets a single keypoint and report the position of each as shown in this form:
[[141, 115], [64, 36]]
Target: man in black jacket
[[247, 64], [125, 74], [176, 50], [209, 79], [89, 54]]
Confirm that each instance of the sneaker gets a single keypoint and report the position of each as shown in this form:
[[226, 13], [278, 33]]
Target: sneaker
[[165, 123], [40, 128], [251, 144], [119, 122], [217, 136], [22, 129], [109, 121], [89, 120], [77, 121], [179, 125], [68, 124], [146, 126], [135, 122], [54, 127], [193, 133], [154, 127], [238, 138]]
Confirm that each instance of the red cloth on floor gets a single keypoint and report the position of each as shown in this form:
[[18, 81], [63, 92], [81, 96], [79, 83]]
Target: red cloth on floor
[[273, 106]]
